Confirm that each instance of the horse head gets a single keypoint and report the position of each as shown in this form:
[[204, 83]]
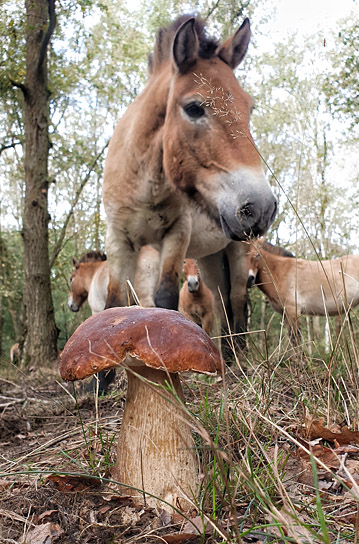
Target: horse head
[[83, 270], [254, 256], [208, 151], [191, 274]]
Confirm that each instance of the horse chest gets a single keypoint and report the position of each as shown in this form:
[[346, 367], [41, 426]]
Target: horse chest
[[196, 309], [150, 224]]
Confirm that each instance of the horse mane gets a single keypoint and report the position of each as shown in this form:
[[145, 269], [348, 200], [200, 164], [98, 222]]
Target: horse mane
[[164, 41], [93, 256], [276, 250]]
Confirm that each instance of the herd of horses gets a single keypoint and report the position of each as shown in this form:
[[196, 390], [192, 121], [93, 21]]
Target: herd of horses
[[183, 180], [293, 287]]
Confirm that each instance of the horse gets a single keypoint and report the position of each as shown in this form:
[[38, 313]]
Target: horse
[[90, 278], [296, 287], [196, 301], [182, 172], [15, 353]]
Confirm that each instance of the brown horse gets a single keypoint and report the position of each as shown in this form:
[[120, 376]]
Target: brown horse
[[90, 277], [196, 301], [296, 287], [15, 353], [182, 172]]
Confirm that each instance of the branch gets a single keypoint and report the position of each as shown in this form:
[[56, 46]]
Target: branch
[[58, 245], [211, 10], [3, 147], [50, 30], [19, 86]]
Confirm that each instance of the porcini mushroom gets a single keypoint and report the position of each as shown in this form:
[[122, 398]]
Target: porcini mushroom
[[155, 452]]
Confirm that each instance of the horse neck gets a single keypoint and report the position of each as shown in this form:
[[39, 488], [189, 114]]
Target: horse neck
[[89, 272], [266, 276]]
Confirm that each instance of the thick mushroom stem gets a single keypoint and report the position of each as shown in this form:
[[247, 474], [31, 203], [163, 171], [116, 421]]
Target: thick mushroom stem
[[156, 451]]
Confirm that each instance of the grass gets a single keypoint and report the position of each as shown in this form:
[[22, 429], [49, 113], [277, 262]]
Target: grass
[[257, 483]]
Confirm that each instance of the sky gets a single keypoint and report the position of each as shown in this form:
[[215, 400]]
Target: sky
[[306, 16]]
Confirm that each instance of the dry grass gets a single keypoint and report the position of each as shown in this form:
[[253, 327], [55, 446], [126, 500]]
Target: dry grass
[[260, 482]]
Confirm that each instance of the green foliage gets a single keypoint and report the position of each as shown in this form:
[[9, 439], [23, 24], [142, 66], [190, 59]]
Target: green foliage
[[342, 84]]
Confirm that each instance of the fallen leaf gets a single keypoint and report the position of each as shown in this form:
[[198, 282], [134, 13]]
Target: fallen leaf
[[68, 483], [104, 509], [315, 429], [347, 449], [42, 534], [47, 514], [130, 516], [198, 526], [165, 518]]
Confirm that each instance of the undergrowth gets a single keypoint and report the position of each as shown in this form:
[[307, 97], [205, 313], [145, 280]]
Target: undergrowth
[[262, 479]]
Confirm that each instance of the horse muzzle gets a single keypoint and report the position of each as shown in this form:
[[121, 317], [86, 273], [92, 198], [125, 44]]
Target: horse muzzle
[[251, 281], [72, 305], [193, 284], [249, 215], [248, 221], [245, 202]]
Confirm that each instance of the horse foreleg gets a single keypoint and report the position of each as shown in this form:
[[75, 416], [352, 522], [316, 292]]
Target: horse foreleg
[[173, 251], [147, 273], [122, 260], [207, 323], [293, 323], [214, 274], [237, 254]]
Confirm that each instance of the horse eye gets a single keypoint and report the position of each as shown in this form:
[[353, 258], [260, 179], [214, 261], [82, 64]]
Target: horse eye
[[194, 110]]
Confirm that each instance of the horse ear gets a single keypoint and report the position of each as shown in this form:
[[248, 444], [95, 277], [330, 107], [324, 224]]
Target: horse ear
[[185, 46], [233, 50], [75, 262]]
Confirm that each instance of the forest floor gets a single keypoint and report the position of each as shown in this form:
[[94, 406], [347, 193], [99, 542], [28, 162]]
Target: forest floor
[[56, 453]]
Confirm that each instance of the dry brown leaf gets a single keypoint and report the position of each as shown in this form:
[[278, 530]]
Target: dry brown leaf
[[198, 526], [340, 450], [315, 429], [324, 454], [45, 516], [104, 509], [130, 516], [42, 534], [68, 483]]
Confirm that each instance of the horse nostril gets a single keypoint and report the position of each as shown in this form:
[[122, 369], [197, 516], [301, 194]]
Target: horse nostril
[[274, 211], [246, 211]]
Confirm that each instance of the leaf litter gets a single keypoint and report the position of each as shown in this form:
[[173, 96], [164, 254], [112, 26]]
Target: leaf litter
[[43, 441]]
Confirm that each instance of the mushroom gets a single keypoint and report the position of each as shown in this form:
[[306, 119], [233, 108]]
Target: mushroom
[[155, 453]]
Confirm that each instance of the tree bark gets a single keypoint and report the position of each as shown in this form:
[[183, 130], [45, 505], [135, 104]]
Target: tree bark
[[41, 331]]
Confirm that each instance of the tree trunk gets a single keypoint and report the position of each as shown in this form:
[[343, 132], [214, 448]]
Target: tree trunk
[[1, 322], [41, 331]]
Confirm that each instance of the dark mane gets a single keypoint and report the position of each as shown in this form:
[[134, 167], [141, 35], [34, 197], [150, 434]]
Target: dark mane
[[93, 256], [276, 250], [164, 40]]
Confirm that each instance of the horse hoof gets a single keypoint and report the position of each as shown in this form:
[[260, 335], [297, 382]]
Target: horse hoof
[[166, 299]]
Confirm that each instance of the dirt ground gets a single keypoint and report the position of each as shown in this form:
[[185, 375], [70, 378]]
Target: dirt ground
[[49, 443], [43, 431]]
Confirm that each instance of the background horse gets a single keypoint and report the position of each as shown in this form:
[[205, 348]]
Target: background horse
[[15, 353], [196, 301], [182, 172], [298, 287], [89, 280]]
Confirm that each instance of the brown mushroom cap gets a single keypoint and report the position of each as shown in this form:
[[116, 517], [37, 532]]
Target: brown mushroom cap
[[161, 339]]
